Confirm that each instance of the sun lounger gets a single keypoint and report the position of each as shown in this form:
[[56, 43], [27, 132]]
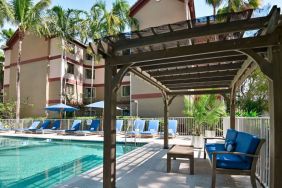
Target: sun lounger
[[55, 128], [44, 125], [119, 126], [32, 127], [75, 127], [93, 129], [2, 129], [172, 129], [153, 129], [138, 127]]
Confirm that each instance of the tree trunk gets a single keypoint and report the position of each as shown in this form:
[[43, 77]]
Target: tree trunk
[[18, 89], [47, 75], [214, 11]]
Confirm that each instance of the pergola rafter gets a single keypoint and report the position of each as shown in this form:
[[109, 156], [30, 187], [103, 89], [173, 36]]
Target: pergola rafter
[[194, 57]]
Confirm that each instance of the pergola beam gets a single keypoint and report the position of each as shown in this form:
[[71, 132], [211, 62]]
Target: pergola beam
[[199, 49], [209, 29], [196, 79], [199, 75], [190, 61], [199, 92], [187, 70], [200, 86]]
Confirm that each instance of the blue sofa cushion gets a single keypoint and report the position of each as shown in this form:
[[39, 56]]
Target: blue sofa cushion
[[231, 135], [229, 161], [229, 146], [214, 147]]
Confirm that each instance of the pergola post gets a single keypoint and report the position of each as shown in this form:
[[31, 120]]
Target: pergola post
[[233, 107], [109, 168], [167, 101], [276, 118]]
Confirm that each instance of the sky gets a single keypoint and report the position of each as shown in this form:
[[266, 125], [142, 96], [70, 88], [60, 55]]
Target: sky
[[202, 9]]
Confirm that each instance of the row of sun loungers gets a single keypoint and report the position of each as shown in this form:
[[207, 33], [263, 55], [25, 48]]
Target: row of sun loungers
[[138, 128]]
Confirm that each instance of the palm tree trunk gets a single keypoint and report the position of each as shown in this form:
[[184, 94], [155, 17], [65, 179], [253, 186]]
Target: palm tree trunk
[[18, 89], [214, 10], [47, 74]]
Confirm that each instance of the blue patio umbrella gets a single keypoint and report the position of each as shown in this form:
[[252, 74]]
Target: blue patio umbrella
[[99, 104], [61, 108]]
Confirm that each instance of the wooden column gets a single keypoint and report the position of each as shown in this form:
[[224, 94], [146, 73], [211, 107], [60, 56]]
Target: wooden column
[[232, 107], [109, 168], [166, 114], [276, 118], [167, 102]]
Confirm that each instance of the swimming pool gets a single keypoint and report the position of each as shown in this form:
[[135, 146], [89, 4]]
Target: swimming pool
[[30, 162]]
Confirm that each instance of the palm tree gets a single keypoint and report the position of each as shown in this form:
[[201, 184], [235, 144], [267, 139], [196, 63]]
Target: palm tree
[[215, 4], [205, 109], [239, 5], [6, 34], [26, 16]]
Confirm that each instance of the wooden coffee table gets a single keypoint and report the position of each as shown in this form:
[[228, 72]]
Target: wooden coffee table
[[180, 151]]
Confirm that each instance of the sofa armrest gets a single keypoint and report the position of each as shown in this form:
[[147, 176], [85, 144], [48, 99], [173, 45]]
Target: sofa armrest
[[233, 153]]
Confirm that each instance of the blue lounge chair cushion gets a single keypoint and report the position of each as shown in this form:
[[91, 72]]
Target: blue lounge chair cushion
[[172, 126], [75, 125], [95, 124], [229, 146], [211, 147], [231, 135], [34, 125], [119, 125], [229, 161], [45, 124], [152, 128], [246, 143], [56, 125]]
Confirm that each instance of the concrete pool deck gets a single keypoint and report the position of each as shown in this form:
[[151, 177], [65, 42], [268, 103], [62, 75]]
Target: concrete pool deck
[[146, 167]]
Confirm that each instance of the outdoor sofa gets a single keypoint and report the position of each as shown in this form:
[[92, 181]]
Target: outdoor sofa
[[237, 156]]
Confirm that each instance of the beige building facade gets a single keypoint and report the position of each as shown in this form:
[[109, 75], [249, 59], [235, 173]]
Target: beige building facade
[[146, 100], [50, 75]]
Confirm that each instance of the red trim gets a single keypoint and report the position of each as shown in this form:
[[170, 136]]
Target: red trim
[[54, 79], [137, 6], [141, 3], [73, 61], [102, 85], [146, 96], [34, 60], [95, 66], [52, 101], [6, 85]]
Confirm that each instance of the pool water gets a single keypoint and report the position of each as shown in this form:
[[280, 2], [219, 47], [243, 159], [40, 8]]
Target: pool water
[[45, 163]]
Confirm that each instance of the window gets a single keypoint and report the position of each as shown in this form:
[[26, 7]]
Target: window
[[88, 56], [70, 68], [69, 89], [88, 74], [87, 92], [125, 91]]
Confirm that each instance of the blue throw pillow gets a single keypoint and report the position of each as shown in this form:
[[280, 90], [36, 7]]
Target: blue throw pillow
[[229, 146]]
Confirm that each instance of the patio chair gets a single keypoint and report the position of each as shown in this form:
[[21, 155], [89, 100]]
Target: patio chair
[[93, 129], [138, 127], [2, 129], [44, 125], [119, 126], [237, 156], [31, 128], [75, 127], [172, 129], [153, 129], [55, 127]]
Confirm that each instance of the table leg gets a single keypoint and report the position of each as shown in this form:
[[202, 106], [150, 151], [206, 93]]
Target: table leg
[[192, 165], [168, 164], [205, 141]]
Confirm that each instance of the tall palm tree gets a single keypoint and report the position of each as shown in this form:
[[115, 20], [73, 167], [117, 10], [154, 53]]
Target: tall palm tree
[[26, 16], [239, 5], [215, 4]]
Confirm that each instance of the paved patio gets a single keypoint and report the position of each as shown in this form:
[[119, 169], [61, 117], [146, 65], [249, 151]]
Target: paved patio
[[146, 167]]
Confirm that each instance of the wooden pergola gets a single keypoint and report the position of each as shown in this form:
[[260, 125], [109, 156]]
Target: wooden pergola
[[211, 55]]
